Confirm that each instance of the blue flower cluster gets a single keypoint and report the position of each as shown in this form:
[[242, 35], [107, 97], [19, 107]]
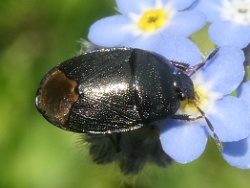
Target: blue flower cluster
[[230, 21], [165, 27], [185, 141], [150, 24]]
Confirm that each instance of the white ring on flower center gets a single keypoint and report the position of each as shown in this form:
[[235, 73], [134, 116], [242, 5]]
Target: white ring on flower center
[[136, 30], [237, 11], [206, 104]]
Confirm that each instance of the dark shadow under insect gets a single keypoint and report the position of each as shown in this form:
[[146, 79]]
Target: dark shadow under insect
[[131, 149]]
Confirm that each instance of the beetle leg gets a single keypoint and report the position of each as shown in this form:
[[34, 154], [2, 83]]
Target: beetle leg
[[217, 140], [182, 66], [186, 117], [193, 69]]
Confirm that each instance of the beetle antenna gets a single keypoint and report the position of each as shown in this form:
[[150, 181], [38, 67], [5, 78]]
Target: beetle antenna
[[217, 140], [195, 68]]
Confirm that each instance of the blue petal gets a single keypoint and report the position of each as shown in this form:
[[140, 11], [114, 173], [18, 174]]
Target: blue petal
[[132, 6], [230, 119], [173, 48], [237, 153], [180, 4], [211, 8], [244, 92], [109, 31], [225, 70], [183, 141], [179, 49], [185, 23], [229, 33]]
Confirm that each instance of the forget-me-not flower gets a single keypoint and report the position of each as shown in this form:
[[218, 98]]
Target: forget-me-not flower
[[230, 21], [185, 141], [148, 24]]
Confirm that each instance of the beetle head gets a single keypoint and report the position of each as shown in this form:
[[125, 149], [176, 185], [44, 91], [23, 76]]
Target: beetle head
[[184, 86]]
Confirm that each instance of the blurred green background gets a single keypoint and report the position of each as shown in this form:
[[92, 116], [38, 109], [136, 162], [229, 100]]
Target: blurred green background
[[34, 37]]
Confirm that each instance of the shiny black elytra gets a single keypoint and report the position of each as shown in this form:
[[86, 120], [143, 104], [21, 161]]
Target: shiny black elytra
[[112, 90]]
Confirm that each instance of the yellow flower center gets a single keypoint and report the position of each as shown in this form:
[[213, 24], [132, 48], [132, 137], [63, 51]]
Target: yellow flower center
[[199, 99], [153, 20]]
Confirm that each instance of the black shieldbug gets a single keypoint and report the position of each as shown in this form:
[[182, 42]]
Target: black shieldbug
[[112, 91]]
